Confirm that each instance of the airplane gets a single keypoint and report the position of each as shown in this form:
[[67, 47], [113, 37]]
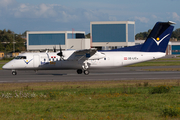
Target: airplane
[[83, 60]]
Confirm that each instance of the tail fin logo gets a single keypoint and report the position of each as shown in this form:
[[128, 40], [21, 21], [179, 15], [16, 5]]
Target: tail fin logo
[[158, 40]]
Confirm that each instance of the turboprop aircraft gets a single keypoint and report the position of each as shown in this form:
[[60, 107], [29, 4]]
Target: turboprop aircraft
[[83, 60]]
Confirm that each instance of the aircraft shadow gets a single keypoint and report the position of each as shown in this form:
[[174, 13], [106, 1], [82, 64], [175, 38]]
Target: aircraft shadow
[[51, 74]]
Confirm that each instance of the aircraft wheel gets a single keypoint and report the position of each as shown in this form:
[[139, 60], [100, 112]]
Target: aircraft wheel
[[14, 73], [79, 71], [86, 72]]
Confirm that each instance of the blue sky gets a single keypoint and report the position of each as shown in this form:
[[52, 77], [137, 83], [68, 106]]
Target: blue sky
[[63, 15]]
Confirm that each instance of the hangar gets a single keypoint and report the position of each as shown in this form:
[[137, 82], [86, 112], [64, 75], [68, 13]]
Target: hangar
[[42, 40], [173, 48], [105, 35], [112, 34]]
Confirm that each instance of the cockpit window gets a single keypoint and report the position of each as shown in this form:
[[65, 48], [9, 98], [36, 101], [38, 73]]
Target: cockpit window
[[20, 57]]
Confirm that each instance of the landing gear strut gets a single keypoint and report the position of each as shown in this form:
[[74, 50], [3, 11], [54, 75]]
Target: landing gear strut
[[85, 67], [14, 72]]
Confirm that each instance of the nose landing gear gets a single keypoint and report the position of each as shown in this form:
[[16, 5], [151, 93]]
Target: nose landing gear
[[14, 72]]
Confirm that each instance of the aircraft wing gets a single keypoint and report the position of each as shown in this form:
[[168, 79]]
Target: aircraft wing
[[83, 54]]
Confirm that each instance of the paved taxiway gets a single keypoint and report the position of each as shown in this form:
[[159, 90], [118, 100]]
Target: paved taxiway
[[123, 73]]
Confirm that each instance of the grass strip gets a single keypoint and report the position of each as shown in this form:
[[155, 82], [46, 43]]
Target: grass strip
[[91, 100], [1, 65], [162, 69], [156, 63]]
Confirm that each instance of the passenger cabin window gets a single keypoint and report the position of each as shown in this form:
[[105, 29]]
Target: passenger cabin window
[[20, 57]]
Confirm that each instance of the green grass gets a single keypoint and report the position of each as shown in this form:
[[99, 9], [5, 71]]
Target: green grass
[[2, 62], [156, 63], [1, 66], [162, 69], [90, 100], [132, 100], [170, 59]]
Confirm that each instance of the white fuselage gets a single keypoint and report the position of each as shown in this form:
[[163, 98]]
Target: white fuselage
[[51, 61]]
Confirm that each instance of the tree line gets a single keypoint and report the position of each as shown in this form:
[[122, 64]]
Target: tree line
[[6, 41], [144, 35]]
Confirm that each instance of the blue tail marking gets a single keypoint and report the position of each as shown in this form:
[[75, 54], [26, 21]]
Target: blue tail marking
[[159, 37]]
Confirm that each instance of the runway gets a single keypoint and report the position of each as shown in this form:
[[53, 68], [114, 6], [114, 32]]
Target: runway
[[123, 73]]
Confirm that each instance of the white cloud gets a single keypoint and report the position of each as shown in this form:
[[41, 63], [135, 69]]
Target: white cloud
[[142, 19], [65, 17], [32, 11], [154, 16], [55, 12], [91, 15], [175, 16], [45, 11], [112, 18], [5, 3], [48, 16]]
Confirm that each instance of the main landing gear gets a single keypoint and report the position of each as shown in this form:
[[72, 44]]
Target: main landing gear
[[79, 71], [86, 72], [14, 72]]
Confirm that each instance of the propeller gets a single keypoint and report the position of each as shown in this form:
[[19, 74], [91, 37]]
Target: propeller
[[54, 48], [60, 53]]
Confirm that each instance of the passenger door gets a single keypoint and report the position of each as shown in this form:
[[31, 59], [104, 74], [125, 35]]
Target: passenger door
[[36, 61]]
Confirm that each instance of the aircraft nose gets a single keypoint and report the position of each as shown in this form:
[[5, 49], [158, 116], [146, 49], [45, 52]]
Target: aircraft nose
[[6, 66]]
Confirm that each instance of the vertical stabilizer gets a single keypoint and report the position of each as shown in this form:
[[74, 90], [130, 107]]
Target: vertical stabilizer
[[159, 37]]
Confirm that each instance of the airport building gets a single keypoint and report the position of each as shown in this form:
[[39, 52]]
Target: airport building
[[174, 48], [42, 40], [104, 36], [112, 34]]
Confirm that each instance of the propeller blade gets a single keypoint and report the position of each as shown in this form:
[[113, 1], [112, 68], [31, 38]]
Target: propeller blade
[[60, 48], [54, 48], [60, 53]]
